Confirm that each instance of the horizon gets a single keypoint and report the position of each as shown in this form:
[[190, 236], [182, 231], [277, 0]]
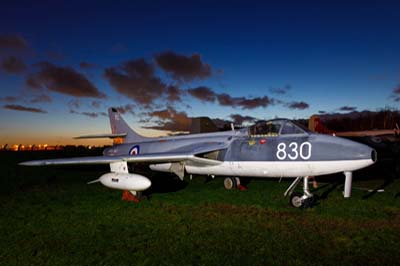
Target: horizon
[[163, 63]]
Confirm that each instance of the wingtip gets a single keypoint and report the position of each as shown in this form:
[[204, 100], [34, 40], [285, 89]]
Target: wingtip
[[25, 164], [31, 163]]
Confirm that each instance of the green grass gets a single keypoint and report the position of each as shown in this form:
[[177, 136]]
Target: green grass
[[49, 216]]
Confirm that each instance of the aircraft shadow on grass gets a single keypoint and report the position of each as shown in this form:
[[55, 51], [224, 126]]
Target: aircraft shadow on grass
[[161, 182]]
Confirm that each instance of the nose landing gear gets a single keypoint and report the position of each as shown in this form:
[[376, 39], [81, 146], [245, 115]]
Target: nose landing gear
[[298, 200]]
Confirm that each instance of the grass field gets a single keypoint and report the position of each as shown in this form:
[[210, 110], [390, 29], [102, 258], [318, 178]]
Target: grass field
[[49, 216]]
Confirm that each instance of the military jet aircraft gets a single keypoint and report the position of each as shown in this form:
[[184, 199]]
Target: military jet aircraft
[[277, 148]]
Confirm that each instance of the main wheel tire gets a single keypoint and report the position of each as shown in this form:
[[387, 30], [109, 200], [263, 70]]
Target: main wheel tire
[[296, 200], [230, 183]]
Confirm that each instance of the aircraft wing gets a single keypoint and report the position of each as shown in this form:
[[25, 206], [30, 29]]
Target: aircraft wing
[[187, 153], [202, 147], [74, 160], [96, 136]]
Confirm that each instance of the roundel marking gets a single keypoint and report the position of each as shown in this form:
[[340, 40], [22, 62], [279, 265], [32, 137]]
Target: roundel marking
[[135, 150]]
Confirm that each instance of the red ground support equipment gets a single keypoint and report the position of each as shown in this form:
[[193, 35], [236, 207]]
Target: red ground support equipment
[[241, 187], [128, 196]]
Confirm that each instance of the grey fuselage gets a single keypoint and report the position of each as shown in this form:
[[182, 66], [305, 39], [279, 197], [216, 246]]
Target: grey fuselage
[[289, 154]]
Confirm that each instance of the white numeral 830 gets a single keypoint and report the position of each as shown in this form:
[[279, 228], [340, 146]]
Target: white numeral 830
[[294, 151]]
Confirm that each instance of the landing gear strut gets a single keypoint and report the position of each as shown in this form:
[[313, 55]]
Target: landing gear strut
[[299, 200]]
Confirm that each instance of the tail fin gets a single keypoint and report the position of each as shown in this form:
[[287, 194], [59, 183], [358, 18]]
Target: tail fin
[[119, 126]]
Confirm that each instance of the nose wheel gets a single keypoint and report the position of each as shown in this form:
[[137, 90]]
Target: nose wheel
[[298, 200]]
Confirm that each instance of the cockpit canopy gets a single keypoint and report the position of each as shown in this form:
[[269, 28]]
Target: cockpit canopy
[[276, 127]]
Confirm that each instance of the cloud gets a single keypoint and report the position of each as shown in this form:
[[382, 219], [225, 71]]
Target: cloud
[[280, 91], [136, 80], [16, 107], [182, 67], [298, 105], [89, 114], [347, 108], [33, 83], [396, 94], [174, 94], [252, 103], [13, 43], [9, 99], [202, 93], [12, 64], [86, 65], [240, 119], [127, 108], [225, 99], [322, 112], [96, 104], [397, 90], [206, 94], [243, 102], [75, 103], [42, 98], [63, 80], [170, 119]]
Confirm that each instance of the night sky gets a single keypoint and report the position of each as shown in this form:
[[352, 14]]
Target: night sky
[[160, 63]]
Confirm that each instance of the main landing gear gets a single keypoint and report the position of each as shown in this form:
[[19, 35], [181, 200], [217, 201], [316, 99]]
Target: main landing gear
[[233, 183], [298, 200]]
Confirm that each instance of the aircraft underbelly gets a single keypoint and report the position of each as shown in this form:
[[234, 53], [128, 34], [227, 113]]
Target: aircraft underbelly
[[224, 169], [280, 169]]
